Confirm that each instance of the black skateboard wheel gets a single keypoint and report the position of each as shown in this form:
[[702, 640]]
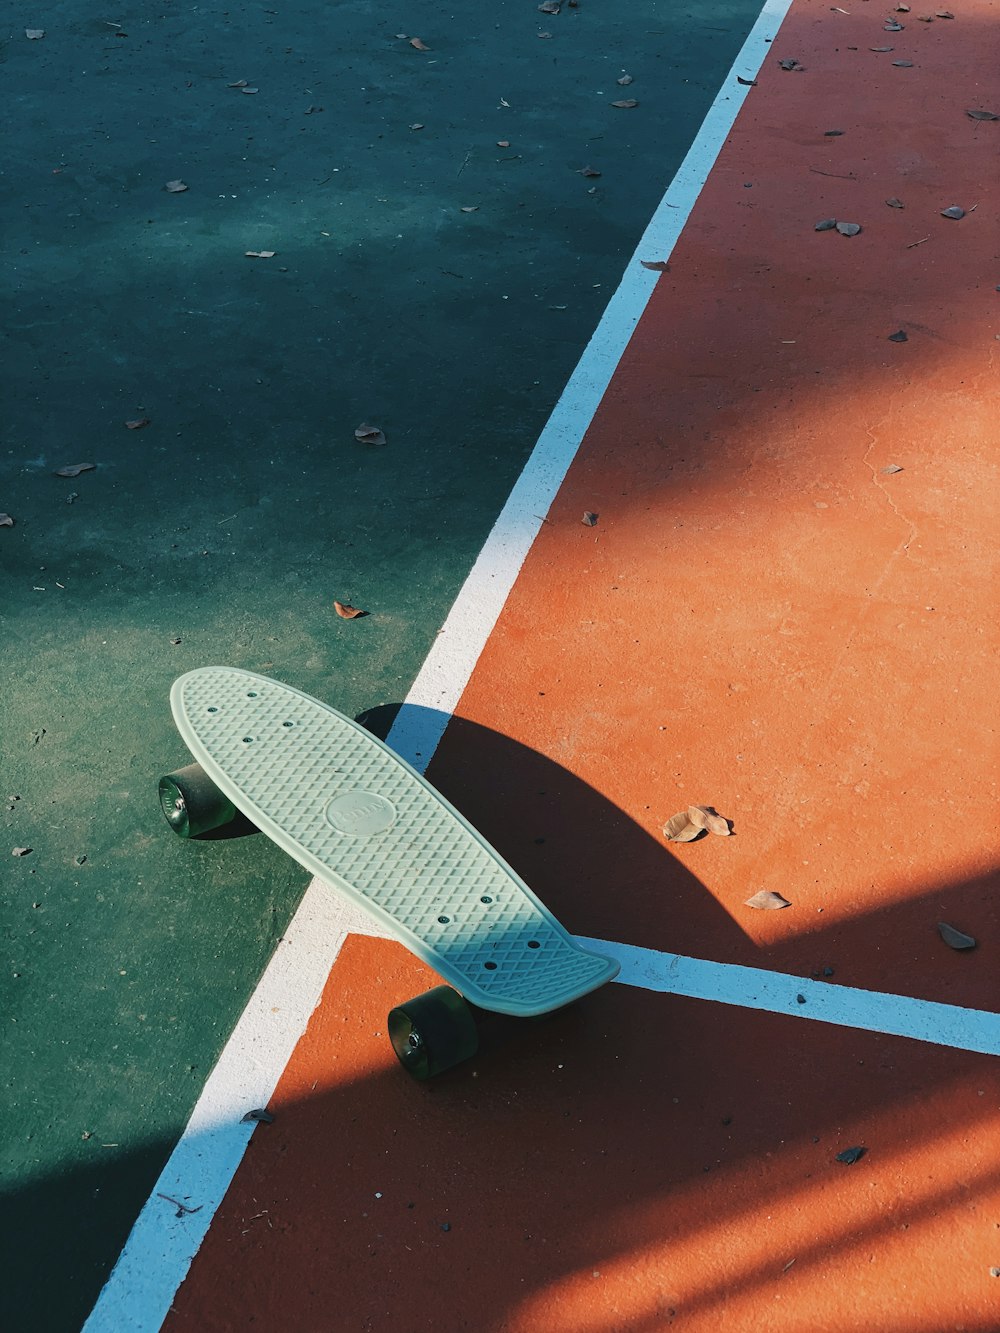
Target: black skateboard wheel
[[193, 803], [433, 1032]]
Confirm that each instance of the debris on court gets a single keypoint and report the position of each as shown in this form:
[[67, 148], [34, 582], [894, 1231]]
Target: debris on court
[[695, 820], [348, 612], [6, 521], [849, 228], [895, 203], [955, 211], [258, 1115], [767, 901], [369, 434], [851, 1155], [590, 518], [21, 851], [955, 939], [74, 469]]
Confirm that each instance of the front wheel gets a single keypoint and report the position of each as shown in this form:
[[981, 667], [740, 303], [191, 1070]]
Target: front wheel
[[192, 803], [433, 1032]]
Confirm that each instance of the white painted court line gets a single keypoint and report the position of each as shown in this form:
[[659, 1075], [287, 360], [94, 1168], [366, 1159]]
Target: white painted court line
[[825, 1002], [161, 1246], [164, 1240], [457, 649]]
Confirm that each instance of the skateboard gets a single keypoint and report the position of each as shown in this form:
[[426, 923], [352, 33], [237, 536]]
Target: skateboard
[[358, 816]]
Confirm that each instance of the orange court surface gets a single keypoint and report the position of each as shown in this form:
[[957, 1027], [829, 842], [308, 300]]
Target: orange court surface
[[785, 607]]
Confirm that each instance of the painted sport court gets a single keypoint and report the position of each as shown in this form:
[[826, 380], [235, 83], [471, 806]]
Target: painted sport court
[[763, 618]]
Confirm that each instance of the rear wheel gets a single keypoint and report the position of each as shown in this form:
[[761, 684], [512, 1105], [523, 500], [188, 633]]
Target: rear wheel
[[193, 803], [433, 1032]]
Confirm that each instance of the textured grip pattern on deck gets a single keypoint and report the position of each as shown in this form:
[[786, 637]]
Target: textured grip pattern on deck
[[284, 757]]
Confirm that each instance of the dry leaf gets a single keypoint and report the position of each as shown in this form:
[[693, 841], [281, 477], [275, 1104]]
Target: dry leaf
[[369, 434], [34, 34], [6, 521], [848, 228], [240, 83], [249, 90], [417, 125], [590, 172], [767, 901], [827, 224], [983, 115], [832, 134], [706, 817], [657, 265], [747, 83], [880, 50], [503, 143], [590, 518], [900, 336], [74, 469], [903, 64], [890, 468], [175, 187], [137, 423], [21, 851], [851, 1155], [956, 939], [626, 103], [418, 45], [895, 203], [625, 80], [550, 7], [943, 14], [258, 1115], [260, 254], [892, 26], [469, 208], [679, 828], [543, 36], [953, 212], [347, 612], [791, 64]]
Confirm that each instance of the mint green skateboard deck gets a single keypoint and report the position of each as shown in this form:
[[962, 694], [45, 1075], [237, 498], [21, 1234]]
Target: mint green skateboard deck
[[356, 815]]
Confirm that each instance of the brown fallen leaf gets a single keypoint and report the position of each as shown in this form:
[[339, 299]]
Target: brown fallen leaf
[[679, 828], [625, 80], [890, 469], [550, 7], [260, 254], [657, 265], [417, 125], [175, 187], [626, 103], [955, 211], [900, 336], [589, 172], [369, 434], [832, 134], [469, 208], [943, 14], [258, 1115], [982, 115], [892, 26], [6, 521], [747, 83], [767, 901], [903, 64], [590, 518], [955, 939], [791, 64], [347, 612], [503, 143], [74, 469], [895, 203], [706, 817], [240, 83], [418, 45], [138, 423]]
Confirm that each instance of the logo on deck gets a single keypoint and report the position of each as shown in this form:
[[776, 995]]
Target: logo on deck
[[360, 814]]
